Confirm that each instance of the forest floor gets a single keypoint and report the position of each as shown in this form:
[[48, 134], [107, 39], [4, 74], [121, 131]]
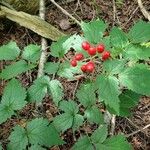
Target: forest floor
[[124, 16]]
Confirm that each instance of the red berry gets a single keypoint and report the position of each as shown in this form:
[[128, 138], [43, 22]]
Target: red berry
[[105, 55], [73, 63], [92, 51], [79, 56], [90, 67], [86, 45], [100, 48], [83, 68]]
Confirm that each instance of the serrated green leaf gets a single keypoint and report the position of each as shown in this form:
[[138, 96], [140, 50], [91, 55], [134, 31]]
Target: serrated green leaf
[[128, 100], [56, 90], [15, 69], [118, 38], [57, 49], [140, 32], [36, 147], [135, 52], [86, 95], [106, 41], [83, 143], [38, 90], [51, 68], [77, 122], [93, 31], [115, 66], [94, 115], [118, 142], [137, 79], [31, 53], [63, 122], [108, 90], [99, 135], [69, 107], [18, 139], [9, 51], [12, 99]]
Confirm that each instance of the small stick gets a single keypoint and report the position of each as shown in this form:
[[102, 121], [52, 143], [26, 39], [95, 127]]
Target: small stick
[[113, 123]]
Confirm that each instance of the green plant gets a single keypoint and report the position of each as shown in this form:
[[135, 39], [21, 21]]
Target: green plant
[[116, 87]]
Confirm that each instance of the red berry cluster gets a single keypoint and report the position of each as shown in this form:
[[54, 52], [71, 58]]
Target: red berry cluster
[[91, 50]]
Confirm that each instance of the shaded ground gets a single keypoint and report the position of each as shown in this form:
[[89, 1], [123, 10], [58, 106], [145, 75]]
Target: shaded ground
[[125, 16]]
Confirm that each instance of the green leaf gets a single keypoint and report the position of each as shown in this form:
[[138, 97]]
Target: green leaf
[[12, 99], [51, 68], [18, 139], [99, 135], [118, 142], [31, 53], [83, 143], [1, 147], [140, 32], [128, 100], [118, 38], [115, 66], [69, 107], [77, 122], [36, 147], [137, 79], [93, 31], [38, 90], [135, 52], [9, 52], [56, 90], [94, 115], [63, 122], [108, 90], [86, 95], [57, 49], [15, 69]]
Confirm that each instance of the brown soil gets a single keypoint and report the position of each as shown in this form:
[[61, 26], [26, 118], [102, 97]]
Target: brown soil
[[126, 15]]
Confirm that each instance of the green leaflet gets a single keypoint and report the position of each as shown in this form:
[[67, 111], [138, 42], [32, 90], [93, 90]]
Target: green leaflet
[[9, 51], [51, 68]]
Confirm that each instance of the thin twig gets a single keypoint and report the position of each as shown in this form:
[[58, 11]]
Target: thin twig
[[143, 10], [65, 12], [140, 130], [114, 12], [74, 91], [113, 123]]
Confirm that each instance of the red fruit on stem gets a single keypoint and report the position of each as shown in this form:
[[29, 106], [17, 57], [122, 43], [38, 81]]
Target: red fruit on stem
[[90, 67], [100, 48], [83, 68], [92, 51], [73, 63], [105, 55], [86, 45], [79, 56]]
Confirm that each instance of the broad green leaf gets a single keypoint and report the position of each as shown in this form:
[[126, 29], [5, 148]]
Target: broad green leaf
[[15, 69], [18, 139], [12, 99], [106, 41], [51, 68], [99, 135], [38, 90], [128, 100], [63, 122], [77, 122], [108, 90], [94, 115], [56, 90], [135, 52], [115, 66], [69, 107], [1, 147], [140, 32], [31, 53], [9, 51], [137, 79], [86, 95], [83, 143], [118, 38], [118, 142], [57, 49], [36, 147], [93, 31]]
